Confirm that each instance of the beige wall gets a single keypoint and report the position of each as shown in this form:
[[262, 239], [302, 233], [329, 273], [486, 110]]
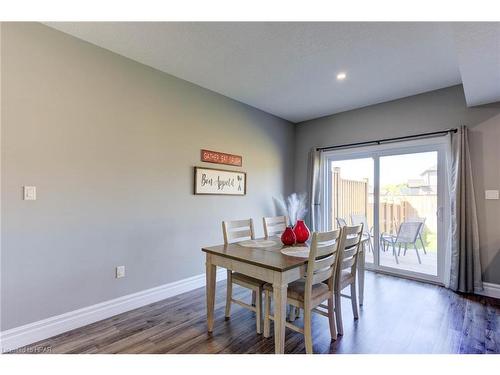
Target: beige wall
[[485, 158], [432, 111], [110, 145]]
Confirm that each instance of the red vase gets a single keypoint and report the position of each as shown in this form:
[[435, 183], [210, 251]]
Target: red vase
[[301, 231], [288, 237]]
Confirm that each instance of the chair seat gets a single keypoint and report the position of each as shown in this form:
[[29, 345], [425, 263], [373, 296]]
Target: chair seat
[[388, 237], [346, 277], [244, 280], [297, 288]]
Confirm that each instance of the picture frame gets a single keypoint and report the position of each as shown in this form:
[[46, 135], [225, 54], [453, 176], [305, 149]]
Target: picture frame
[[214, 181]]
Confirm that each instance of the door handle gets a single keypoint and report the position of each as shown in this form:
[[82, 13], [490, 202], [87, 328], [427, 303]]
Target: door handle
[[439, 213]]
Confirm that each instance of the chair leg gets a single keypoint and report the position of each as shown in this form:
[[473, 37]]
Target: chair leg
[[254, 297], [229, 293], [331, 318], [267, 311], [422, 242], [395, 254], [418, 255], [308, 330], [354, 301], [258, 311], [406, 248], [338, 313]]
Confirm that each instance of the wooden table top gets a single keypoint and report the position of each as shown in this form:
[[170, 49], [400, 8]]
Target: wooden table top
[[266, 257]]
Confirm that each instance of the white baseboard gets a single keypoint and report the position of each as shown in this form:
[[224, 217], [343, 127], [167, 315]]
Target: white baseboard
[[27, 334], [490, 290]]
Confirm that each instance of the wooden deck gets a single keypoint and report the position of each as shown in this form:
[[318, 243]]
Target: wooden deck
[[399, 316]]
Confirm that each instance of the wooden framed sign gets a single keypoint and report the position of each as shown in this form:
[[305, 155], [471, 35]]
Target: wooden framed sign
[[219, 182], [221, 158]]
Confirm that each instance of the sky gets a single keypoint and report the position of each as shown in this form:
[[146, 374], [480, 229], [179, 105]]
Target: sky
[[394, 169]]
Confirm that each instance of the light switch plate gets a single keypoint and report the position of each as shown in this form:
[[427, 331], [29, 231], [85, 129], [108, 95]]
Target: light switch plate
[[491, 194], [30, 193], [120, 271]]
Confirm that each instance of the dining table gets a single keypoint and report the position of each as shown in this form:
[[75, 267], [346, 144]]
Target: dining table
[[267, 263]]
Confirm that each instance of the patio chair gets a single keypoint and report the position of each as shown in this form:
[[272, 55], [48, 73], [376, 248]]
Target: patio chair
[[357, 219], [394, 231], [421, 232], [407, 234]]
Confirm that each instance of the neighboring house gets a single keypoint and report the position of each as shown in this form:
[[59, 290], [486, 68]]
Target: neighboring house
[[430, 176], [426, 185]]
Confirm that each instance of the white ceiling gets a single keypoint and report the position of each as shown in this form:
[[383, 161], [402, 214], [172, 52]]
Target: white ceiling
[[478, 50], [289, 69]]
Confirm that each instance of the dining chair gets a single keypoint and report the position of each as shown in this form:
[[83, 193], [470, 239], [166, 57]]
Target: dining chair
[[316, 287], [275, 225], [357, 219], [341, 222], [346, 272], [407, 234], [240, 230]]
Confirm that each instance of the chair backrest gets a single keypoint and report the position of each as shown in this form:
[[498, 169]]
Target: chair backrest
[[357, 219], [408, 231], [237, 230], [322, 263], [349, 249], [341, 222], [274, 225], [419, 220]]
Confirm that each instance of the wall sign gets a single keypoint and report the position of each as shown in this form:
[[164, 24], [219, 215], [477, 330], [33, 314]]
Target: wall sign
[[221, 158], [219, 181]]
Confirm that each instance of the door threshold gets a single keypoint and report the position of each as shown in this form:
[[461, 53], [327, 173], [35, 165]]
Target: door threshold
[[407, 277]]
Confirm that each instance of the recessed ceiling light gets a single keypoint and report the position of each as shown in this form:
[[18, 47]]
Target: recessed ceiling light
[[341, 76]]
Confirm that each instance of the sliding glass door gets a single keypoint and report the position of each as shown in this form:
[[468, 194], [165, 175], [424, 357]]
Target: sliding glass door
[[397, 191], [408, 200]]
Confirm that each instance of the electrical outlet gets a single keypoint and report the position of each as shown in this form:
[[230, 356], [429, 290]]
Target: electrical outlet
[[120, 272]]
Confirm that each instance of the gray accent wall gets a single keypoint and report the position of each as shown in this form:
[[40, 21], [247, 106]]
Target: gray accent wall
[[437, 110], [110, 145]]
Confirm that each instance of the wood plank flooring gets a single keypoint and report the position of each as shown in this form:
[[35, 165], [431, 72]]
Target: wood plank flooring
[[399, 316]]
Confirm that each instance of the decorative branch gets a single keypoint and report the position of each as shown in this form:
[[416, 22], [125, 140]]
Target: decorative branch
[[294, 206]]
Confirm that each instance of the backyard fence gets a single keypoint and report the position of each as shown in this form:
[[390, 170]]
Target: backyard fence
[[348, 196], [353, 197]]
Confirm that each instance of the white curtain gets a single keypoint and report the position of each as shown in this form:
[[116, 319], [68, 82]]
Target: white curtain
[[314, 189], [464, 261]]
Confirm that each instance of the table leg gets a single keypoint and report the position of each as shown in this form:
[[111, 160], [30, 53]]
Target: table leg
[[210, 292], [280, 295], [361, 276]]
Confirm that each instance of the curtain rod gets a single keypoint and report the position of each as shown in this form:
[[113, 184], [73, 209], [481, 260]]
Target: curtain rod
[[388, 140]]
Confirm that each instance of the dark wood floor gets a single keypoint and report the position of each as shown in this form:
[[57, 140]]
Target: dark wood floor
[[399, 316]]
